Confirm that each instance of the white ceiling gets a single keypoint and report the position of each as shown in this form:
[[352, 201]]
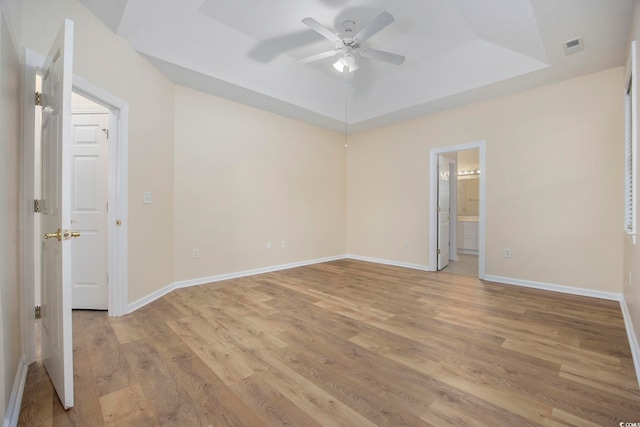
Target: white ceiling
[[457, 51]]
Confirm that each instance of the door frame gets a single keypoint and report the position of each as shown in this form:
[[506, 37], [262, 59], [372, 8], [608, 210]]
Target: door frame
[[433, 201], [441, 159], [116, 195]]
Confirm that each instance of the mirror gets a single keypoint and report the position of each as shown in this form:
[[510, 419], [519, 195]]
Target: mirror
[[468, 196]]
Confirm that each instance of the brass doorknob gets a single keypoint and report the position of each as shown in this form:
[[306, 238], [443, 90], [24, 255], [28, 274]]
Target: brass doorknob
[[68, 234], [57, 235], [60, 234]]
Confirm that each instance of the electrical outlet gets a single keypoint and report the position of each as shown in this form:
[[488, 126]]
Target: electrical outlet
[[507, 252], [196, 253], [406, 243], [146, 197], [268, 246]]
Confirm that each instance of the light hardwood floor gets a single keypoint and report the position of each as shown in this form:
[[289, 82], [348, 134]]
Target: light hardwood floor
[[348, 343]]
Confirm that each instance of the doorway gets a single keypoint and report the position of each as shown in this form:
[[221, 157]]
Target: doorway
[[89, 174], [466, 231], [116, 197]]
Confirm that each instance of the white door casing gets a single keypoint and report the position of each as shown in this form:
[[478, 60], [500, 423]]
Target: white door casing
[[434, 154], [89, 154], [444, 213], [57, 346]]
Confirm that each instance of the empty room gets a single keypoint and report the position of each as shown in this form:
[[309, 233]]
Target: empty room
[[319, 213]]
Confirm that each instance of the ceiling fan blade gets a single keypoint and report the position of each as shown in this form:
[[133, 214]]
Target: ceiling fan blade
[[317, 57], [381, 21], [381, 55], [321, 29]]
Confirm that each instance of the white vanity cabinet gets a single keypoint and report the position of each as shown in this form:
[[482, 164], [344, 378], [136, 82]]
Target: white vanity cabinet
[[467, 233]]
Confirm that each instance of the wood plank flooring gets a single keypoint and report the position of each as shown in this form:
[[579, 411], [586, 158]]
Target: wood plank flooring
[[348, 343]]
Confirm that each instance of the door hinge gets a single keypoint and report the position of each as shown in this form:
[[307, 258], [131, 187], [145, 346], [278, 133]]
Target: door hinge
[[38, 99], [37, 206], [438, 251], [38, 312], [438, 209]]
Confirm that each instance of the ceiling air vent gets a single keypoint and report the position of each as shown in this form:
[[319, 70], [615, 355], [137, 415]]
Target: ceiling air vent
[[573, 46]]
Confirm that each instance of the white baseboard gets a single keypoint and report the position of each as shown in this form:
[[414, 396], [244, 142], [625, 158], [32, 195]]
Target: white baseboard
[[13, 410], [612, 296], [150, 298], [468, 252], [390, 262], [228, 276], [631, 335]]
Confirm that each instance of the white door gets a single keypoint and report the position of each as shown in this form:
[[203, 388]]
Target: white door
[[443, 212], [57, 347], [89, 210]]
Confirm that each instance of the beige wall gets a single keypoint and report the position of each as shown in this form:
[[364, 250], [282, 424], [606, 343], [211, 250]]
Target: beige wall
[[244, 177], [631, 268], [109, 62], [10, 296], [553, 183], [539, 196]]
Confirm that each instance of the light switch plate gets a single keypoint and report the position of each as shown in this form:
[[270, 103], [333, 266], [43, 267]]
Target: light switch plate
[[146, 197]]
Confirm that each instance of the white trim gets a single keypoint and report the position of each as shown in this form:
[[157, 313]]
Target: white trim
[[468, 252], [631, 335], [453, 220], [390, 262], [13, 410], [612, 296], [31, 63], [118, 192], [631, 143], [433, 201], [150, 298], [119, 243], [227, 276]]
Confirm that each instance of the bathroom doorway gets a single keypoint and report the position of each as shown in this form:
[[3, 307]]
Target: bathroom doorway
[[467, 201]]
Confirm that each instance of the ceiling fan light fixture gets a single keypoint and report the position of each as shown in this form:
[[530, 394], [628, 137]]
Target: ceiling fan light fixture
[[347, 61], [349, 44]]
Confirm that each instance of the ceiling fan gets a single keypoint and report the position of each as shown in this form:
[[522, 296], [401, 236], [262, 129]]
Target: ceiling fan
[[350, 44]]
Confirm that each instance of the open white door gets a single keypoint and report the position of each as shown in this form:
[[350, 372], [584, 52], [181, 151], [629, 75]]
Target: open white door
[[57, 347], [443, 212], [89, 163]]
